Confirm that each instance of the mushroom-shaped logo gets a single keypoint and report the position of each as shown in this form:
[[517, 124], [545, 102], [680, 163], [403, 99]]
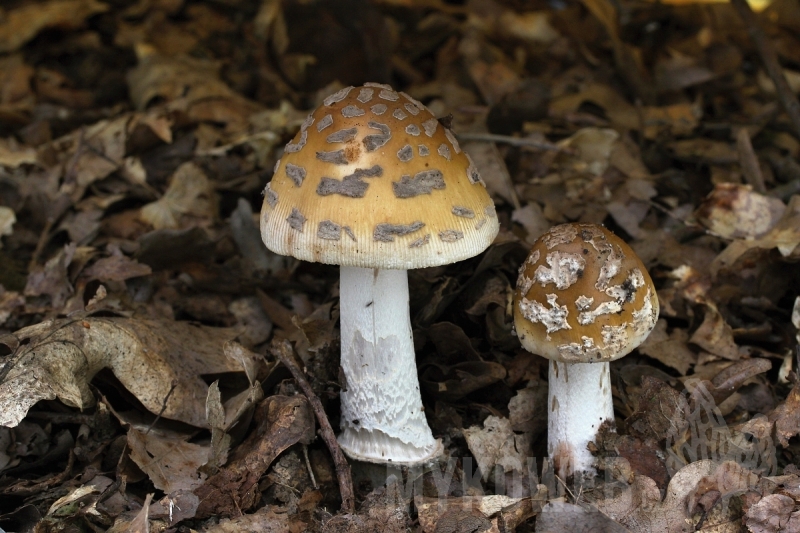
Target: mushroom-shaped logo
[[374, 183], [583, 299]]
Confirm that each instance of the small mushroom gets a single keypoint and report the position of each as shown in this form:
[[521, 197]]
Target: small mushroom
[[373, 183], [583, 299]]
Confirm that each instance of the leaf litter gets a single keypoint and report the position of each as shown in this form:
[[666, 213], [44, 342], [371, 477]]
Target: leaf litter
[[138, 389]]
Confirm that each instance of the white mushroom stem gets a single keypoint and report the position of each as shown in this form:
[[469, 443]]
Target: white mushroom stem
[[382, 416], [580, 401]]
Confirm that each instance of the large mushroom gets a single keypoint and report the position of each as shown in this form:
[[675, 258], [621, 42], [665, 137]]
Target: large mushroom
[[583, 299], [374, 183]]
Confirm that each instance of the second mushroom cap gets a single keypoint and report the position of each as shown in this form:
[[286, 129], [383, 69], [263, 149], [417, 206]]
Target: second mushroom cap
[[583, 296]]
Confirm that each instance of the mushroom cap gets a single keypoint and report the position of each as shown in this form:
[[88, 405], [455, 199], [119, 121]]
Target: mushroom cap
[[373, 180], [583, 296]]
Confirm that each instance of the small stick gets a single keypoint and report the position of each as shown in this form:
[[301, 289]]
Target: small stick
[[283, 351], [513, 141], [308, 466], [770, 59], [163, 406], [748, 161]]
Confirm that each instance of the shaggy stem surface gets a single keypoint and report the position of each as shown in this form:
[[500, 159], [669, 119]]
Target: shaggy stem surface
[[382, 416], [580, 401]]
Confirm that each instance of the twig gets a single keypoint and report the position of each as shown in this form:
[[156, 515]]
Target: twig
[[748, 161], [283, 351], [785, 191], [770, 59], [308, 466], [513, 141], [163, 406]]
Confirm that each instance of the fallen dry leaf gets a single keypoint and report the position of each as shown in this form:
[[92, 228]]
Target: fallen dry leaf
[[786, 417], [268, 519], [563, 516], [281, 422], [451, 383], [148, 357], [784, 235], [496, 444], [771, 515], [669, 347], [189, 200], [639, 506], [7, 219], [13, 154], [734, 211], [171, 463], [20, 25]]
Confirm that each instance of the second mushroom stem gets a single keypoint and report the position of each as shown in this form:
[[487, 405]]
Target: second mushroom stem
[[579, 401], [382, 414]]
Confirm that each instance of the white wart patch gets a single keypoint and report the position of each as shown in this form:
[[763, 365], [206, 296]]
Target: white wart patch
[[430, 126], [271, 196], [405, 154], [296, 147], [373, 142], [645, 318], [387, 232], [564, 271], [611, 267], [296, 220], [342, 136], [388, 94], [553, 318], [451, 235], [422, 241], [453, 141], [472, 173], [615, 338], [583, 302], [296, 174], [329, 230], [338, 96], [524, 283], [365, 95], [606, 308], [563, 234], [352, 185], [580, 352], [325, 122], [336, 157], [422, 183], [351, 111], [461, 211]]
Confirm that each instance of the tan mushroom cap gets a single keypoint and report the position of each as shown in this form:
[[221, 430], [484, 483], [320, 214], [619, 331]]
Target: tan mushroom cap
[[373, 180], [583, 296]]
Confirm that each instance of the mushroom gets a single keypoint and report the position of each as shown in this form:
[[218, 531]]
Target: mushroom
[[583, 299], [372, 182]]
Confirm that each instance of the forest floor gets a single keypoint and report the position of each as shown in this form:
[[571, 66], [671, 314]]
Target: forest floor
[[143, 322]]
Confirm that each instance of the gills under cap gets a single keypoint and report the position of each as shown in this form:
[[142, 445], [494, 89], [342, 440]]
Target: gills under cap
[[373, 180]]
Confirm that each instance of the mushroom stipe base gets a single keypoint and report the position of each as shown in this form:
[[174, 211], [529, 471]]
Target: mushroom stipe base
[[579, 400], [382, 415]]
